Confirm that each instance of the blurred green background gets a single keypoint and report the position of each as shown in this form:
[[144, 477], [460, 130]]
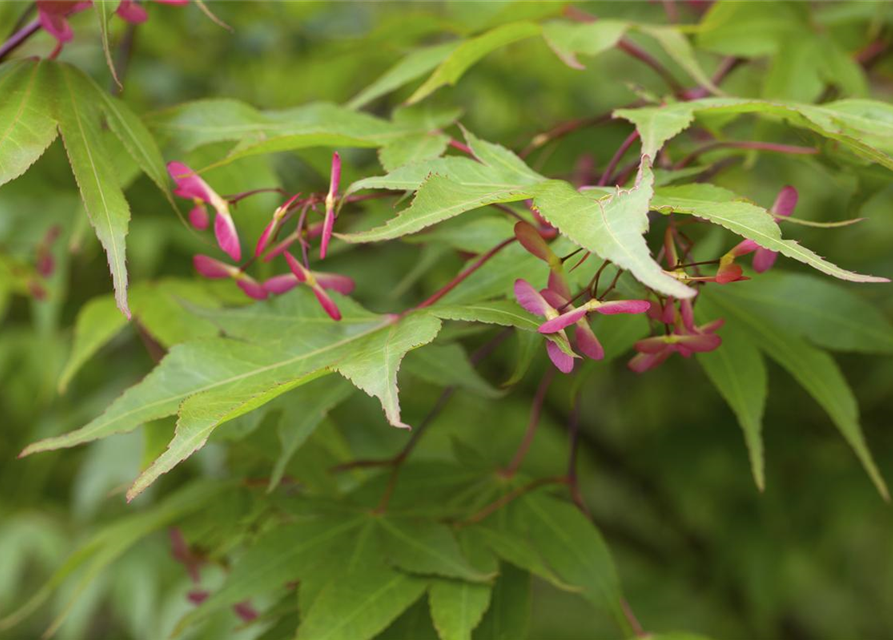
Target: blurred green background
[[665, 471]]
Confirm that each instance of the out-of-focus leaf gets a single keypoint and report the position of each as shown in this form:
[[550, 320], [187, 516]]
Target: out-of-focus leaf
[[258, 132], [679, 49], [574, 549], [508, 617], [568, 39], [738, 372], [285, 553], [457, 607], [826, 313], [305, 408], [26, 117], [97, 323], [410, 67], [413, 624], [527, 343], [816, 371], [749, 28], [109, 543], [156, 306], [508, 540], [448, 365], [428, 548], [471, 51], [361, 604]]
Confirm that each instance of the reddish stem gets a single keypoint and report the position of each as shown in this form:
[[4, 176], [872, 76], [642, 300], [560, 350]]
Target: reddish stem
[[477, 264], [565, 128], [19, 37], [245, 194], [618, 156], [464, 148], [535, 412], [508, 497], [746, 144]]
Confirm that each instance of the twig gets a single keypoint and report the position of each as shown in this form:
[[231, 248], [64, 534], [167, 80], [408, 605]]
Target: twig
[[508, 497], [563, 129], [464, 148], [397, 461], [535, 412], [441, 403], [746, 144], [18, 38], [617, 157], [462, 275]]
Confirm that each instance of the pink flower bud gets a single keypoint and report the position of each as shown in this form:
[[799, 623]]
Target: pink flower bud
[[190, 185], [558, 283], [227, 238], [531, 240], [335, 282], [623, 306], [530, 298], [587, 343], [562, 361], [46, 264], [281, 283], [131, 12], [728, 272], [327, 303], [643, 362], [213, 269], [785, 201], [245, 611], [331, 197], [53, 17], [251, 287], [300, 271], [198, 217], [563, 321]]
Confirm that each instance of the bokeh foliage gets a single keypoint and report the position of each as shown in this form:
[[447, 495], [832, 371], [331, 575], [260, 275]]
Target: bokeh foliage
[[663, 470]]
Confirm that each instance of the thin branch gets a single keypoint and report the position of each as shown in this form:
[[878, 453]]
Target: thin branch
[[746, 144], [535, 412], [464, 148], [617, 157], [462, 275], [475, 358], [18, 38], [397, 461], [563, 129], [508, 497]]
